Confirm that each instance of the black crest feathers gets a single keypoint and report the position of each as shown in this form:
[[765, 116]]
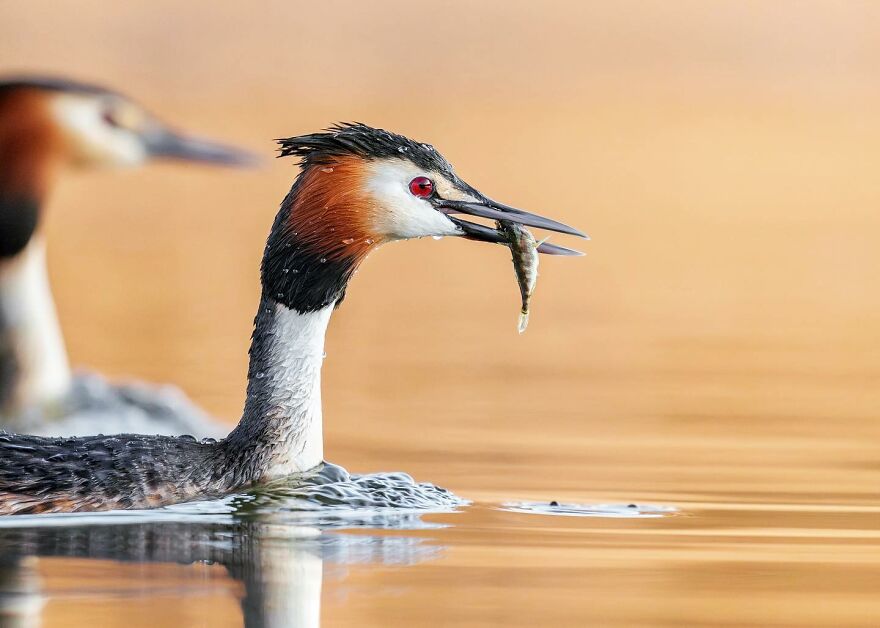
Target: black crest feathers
[[361, 140]]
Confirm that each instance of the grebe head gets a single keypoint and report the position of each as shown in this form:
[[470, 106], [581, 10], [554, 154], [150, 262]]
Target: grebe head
[[360, 187], [89, 126]]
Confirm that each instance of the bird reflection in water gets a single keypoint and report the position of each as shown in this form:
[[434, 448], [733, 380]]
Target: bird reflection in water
[[278, 544]]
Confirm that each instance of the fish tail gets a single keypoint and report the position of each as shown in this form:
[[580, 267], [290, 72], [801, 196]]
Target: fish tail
[[523, 321]]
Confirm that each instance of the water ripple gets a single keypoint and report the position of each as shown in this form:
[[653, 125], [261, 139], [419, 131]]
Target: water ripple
[[617, 511]]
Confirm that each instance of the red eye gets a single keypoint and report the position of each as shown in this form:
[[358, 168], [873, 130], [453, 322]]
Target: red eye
[[422, 187]]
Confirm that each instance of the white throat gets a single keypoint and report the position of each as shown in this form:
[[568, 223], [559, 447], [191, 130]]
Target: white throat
[[291, 382], [31, 326]]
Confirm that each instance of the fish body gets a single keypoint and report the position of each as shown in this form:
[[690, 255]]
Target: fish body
[[524, 252]]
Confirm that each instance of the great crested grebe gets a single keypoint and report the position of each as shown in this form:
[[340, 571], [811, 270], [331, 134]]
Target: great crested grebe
[[358, 187], [47, 124]]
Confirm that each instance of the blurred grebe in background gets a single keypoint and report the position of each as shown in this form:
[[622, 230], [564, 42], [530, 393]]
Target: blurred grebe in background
[[358, 188], [46, 126]]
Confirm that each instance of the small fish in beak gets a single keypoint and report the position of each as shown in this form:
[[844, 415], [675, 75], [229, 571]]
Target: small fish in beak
[[524, 252], [511, 231]]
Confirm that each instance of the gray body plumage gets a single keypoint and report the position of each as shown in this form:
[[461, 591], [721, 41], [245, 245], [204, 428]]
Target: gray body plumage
[[44, 474]]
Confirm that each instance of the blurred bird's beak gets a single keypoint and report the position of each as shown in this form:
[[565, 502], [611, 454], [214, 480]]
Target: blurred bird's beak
[[168, 144], [487, 208]]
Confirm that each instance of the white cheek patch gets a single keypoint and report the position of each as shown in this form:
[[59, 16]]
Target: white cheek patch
[[402, 215], [93, 140]]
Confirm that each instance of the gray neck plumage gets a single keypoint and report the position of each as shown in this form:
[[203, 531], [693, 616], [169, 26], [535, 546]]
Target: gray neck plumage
[[280, 432], [281, 429]]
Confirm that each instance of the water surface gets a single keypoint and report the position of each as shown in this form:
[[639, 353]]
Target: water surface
[[486, 563]]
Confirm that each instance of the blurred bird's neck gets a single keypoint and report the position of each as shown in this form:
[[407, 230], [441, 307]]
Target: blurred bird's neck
[[33, 361]]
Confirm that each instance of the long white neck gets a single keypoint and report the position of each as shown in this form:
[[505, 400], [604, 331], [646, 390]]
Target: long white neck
[[281, 430], [30, 337]]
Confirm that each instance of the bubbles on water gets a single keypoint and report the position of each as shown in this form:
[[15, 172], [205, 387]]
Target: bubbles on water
[[624, 511], [332, 491]]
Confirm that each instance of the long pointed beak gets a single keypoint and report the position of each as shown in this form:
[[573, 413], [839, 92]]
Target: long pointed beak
[[482, 233], [498, 211], [169, 144]]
